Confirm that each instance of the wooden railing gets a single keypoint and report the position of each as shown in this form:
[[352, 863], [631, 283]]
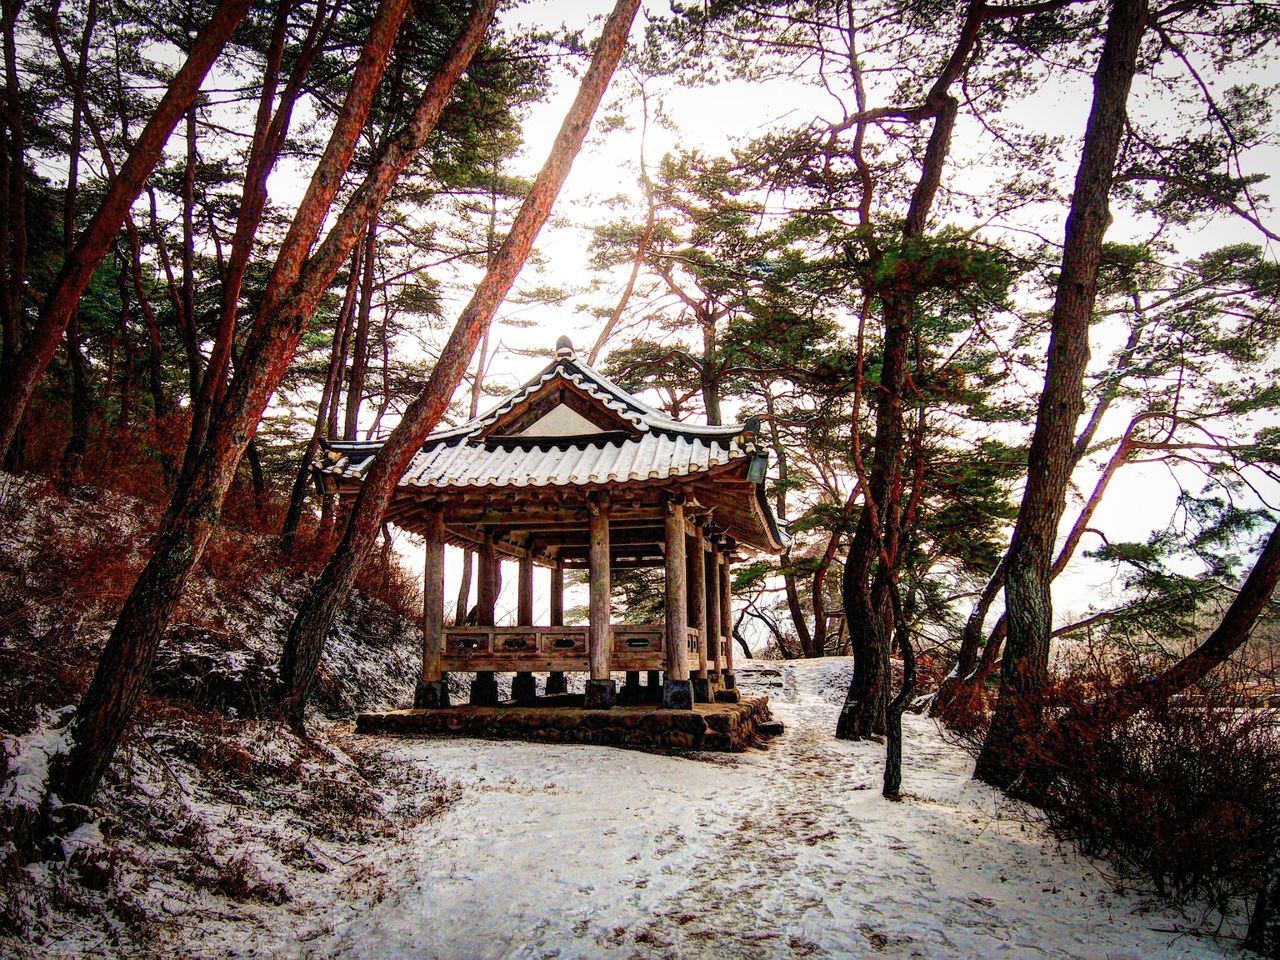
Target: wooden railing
[[537, 649]]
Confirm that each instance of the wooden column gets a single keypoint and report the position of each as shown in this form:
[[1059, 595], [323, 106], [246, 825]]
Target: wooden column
[[676, 691], [600, 688], [712, 591], [487, 589], [698, 608], [484, 688], [729, 692], [555, 679], [523, 686], [432, 689]]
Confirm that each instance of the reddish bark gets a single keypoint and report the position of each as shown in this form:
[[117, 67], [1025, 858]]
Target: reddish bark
[[1028, 606], [197, 502], [301, 656], [270, 130], [33, 360], [360, 346], [328, 400]]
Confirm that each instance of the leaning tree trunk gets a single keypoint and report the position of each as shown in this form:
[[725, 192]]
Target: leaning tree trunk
[[1028, 605], [1230, 634], [301, 656], [271, 127], [73, 278], [197, 501]]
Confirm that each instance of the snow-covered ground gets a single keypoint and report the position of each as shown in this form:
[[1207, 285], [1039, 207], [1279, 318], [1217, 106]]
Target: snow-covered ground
[[575, 851]]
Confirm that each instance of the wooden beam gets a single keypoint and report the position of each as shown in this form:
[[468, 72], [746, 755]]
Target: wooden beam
[[615, 563], [598, 635], [650, 533]]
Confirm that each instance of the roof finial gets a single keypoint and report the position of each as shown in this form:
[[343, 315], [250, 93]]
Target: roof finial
[[564, 349]]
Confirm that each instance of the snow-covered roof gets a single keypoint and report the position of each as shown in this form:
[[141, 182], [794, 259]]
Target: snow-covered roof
[[568, 426]]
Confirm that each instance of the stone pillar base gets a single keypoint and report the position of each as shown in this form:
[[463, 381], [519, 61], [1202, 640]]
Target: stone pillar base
[[484, 689], [677, 695], [556, 683], [727, 681], [524, 687], [600, 694], [431, 695], [701, 689], [728, 696]]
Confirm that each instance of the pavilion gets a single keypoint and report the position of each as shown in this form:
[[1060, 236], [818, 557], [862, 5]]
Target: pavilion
[[573, 472]]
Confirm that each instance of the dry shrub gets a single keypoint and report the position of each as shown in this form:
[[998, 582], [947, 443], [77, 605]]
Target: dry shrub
[[389, 581], [967, 714], [1186, 794]]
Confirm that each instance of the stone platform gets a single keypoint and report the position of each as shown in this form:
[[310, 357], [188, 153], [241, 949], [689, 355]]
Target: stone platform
[[708, 726]]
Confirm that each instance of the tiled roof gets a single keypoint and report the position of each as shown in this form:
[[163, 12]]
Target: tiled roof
[[661, 449]]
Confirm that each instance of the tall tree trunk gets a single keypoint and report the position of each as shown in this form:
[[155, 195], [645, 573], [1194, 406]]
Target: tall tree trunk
[[271, 127], [963, 678], [1028, 606], [360, 348], [328, 398], [867, 581], [17, 167], [197, 502], [155, 358], [301, 656], [791, 590], [13, 227], [707, 373], [33, 360], [892, 788], [187, 319], [78, 442]]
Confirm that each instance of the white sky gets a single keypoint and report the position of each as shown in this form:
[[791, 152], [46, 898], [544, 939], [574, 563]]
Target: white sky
[[713, 119]]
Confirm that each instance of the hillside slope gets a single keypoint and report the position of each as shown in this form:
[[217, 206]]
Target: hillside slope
[[206, 808]]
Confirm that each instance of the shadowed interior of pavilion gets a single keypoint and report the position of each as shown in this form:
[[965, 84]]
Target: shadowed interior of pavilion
[[571, 472]]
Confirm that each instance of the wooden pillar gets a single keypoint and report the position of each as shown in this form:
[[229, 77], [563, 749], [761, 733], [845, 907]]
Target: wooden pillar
[[730, 692], [487, 589], [712, 591], [523, 686], [432, 689], [484, 688], [676, 691], [698, 609], [555, 679], [600, 688]]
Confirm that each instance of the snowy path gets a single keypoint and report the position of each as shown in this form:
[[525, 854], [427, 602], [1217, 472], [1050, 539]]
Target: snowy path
[[573, 851]]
